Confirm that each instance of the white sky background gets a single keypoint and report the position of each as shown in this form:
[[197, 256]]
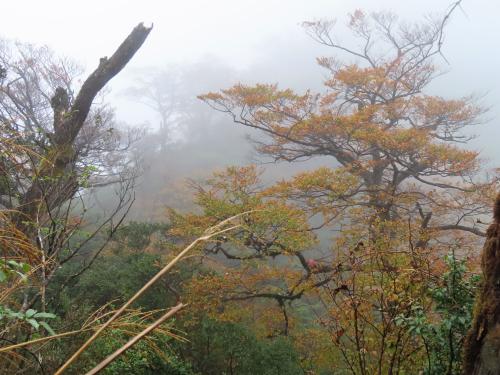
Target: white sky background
[[244, 33]]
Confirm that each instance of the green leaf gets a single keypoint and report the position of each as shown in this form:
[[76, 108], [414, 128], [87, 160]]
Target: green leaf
[[13, 264], [3, 276], [30, 313], [34, 323], [47, 328], [45, 315], [14, 314]]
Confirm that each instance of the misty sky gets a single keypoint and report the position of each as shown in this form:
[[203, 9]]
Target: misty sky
[[262, 34]]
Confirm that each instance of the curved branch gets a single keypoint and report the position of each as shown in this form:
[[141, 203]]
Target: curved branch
[[460, 227]]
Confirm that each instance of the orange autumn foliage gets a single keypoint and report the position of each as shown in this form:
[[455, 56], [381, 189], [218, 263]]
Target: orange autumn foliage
[[402, 192]]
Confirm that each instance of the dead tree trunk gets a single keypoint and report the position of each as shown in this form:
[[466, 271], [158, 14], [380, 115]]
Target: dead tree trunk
[[482, 345], [56, 181]]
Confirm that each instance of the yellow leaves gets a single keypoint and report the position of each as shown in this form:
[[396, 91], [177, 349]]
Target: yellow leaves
[[236, 179], [15, 244], [233, 293], [451, 160], [265, 96], [273, 227], [397, 149], [260, 94], [356, 77], [211, 97], [383, 284], [336, 181], [188, 225], [402, 140], [434, 111], [229, 192], [320, 190], [367, 118], [390, 79], [255, 96]]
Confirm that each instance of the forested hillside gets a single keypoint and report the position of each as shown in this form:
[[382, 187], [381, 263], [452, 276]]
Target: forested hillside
[[334, 228]]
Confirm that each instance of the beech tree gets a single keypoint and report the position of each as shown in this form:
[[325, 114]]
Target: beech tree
[[402, 193], [376, 121]]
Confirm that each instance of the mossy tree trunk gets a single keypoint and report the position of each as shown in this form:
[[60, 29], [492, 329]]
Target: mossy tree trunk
[[482, 345]]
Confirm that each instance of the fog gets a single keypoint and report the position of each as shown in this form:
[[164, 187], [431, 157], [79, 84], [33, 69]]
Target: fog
[[198, 46]]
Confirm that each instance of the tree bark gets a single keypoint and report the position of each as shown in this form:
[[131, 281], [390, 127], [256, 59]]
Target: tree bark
[[482, 345], [56, 172]]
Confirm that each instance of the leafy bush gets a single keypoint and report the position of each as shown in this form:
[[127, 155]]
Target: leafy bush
[[230, 348], [443, 335], [141, 359]]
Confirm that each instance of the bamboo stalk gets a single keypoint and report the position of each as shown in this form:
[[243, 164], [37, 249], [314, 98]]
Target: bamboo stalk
[[134, 340], [42, 339], [211, 232]]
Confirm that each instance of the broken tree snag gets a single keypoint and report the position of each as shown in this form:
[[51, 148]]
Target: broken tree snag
[[68, 121], [107, 69], [482, 344], [60, 106]]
